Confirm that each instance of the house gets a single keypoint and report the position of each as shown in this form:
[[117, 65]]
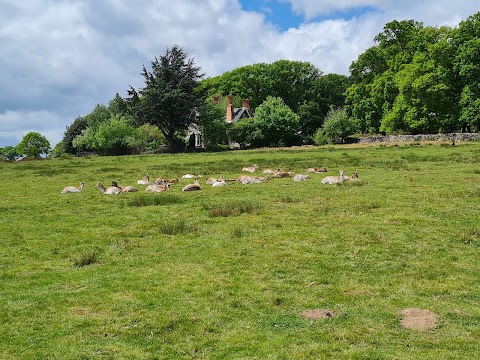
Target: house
[[232, 115]]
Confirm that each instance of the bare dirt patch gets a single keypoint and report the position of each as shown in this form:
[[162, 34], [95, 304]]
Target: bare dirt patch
[[319, 314], [418, 319]]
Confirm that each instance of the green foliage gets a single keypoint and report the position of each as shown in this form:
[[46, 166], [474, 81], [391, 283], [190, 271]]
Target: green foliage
[[406, 82], [338, 126], [9, 152], [149, 138], [274, 124], [87, 258], [169, 98], [466, 64], [33, 145], [113, 137], [75, 129], [289, 80], [320, 138], [212, 121], [57, 150]]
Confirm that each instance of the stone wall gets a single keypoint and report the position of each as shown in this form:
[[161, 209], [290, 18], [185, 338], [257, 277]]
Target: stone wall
[[421, 138]]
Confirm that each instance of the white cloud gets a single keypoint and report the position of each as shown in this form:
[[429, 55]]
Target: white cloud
[[60, 58]]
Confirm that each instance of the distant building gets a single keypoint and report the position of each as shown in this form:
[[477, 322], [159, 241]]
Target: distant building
[[232, 115]]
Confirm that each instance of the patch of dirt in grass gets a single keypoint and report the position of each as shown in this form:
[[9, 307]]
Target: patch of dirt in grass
[[319, 314], [418, 319]]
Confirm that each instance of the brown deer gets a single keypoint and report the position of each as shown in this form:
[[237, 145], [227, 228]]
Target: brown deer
[[127, 188], [316, 170], [192, 187]]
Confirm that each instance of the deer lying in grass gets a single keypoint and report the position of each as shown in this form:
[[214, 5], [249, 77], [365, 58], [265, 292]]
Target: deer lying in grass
[[219, 182], [70, 189], [111, 190], [248, 179], [316, 170], [301, 177], [250, 169], [281, 174], [144, 181], [334, 179], [270, 171], [353, 177], [192, 187], [190, 176], [161, 181], [211, 180], [127, 188], [158, 188]]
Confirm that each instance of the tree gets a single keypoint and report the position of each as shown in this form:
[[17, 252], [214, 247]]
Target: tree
[[214, 127], [466, 64], [33, 145], [9, 152], [149, 137], [338, 126], [75, 129], [324, 93], [290, 80], [169, 98], [274, 124], [113, 137]]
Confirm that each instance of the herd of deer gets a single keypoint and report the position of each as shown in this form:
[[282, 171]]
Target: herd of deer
[[161, 185]]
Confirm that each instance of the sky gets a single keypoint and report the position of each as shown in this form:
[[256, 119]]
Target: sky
[[60, 58]]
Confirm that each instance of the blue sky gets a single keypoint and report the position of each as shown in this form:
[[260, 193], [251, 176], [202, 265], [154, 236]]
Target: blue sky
[[61, 58], [282, 15]]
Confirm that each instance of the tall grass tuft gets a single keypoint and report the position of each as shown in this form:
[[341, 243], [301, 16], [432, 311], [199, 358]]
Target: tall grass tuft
[[155, 200], [232, 208], [176, 227], [87, 258]]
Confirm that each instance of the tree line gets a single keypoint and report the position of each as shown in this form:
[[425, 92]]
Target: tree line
[[414, 79]]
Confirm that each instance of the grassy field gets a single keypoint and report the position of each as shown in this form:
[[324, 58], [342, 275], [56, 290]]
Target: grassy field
[[226, 273]]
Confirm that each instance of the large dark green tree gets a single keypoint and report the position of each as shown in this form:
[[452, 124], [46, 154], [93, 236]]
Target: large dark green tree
[[169, 98], [74, 130]]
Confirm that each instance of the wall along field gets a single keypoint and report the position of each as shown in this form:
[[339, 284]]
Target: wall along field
[[228, 272]]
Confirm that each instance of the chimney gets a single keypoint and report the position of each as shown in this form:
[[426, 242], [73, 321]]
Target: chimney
[[230, 110], [246, 103]]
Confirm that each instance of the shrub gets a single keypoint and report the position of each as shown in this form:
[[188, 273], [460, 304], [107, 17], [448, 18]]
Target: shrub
[[338, 126], [88, 258]]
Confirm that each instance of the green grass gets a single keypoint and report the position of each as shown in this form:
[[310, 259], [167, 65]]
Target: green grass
[[224, 273]]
